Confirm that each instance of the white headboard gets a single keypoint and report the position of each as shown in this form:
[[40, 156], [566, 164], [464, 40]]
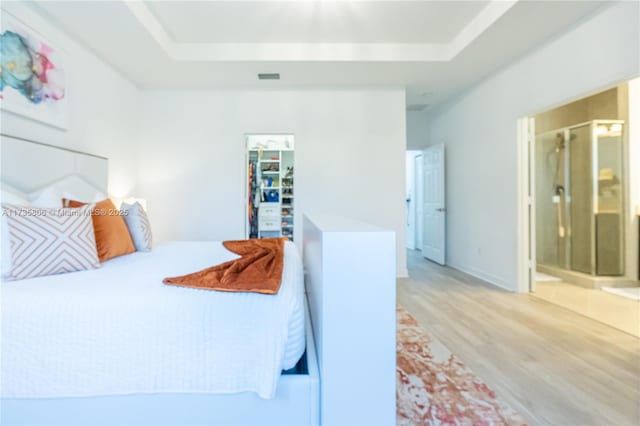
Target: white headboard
[[29, 166]]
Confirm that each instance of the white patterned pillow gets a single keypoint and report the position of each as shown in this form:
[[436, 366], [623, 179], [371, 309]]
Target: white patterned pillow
[[139, 226], [15, 198], [50, 241]]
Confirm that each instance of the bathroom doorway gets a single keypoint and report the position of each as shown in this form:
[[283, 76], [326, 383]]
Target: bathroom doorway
[[583, 206]]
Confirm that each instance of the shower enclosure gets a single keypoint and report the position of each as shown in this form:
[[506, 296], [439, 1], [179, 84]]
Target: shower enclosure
[[579, 188]]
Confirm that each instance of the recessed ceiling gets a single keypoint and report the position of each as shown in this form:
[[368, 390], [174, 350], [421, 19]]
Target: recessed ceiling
[[314, 21], [316, 30], [438, 48]]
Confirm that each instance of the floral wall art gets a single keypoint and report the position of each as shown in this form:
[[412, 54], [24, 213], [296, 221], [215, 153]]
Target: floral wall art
[[32, 74]]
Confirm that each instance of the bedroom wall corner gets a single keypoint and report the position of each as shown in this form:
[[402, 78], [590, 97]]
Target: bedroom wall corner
[[103, 105], [417, 130]]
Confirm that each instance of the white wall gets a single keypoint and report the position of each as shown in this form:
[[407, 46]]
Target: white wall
[[417, 129], [187, 154], [479, 130], [103, 107], [349, 157]]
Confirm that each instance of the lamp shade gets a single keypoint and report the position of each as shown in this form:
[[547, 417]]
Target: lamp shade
[[129, 200]]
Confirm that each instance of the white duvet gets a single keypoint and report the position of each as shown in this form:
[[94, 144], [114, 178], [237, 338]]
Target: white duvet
[[119, 330]]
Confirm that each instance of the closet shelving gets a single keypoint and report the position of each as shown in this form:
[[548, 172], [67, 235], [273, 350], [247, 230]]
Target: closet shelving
[[271, 186], [287, 201]]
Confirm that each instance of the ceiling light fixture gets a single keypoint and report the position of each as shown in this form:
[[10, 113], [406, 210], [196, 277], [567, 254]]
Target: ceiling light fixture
[[269, 76]]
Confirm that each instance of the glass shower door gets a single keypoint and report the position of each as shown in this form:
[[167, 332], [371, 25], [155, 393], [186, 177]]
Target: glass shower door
[[579, 188], [581, 203], [551, 217], [609, 222]]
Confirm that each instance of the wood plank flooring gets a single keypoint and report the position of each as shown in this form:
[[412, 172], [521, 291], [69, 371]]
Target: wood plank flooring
[[554, 366]]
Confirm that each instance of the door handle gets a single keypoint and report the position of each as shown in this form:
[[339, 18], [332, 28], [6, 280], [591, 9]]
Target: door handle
[[441, 210]]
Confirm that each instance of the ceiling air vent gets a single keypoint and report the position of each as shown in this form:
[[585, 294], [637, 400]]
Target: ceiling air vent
[[416, 107], [269, 76]]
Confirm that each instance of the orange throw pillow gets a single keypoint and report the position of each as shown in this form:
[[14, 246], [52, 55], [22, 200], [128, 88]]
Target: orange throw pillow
[[112, 235]]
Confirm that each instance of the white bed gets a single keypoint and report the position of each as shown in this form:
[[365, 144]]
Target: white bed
[[119, 330], [115, 346]]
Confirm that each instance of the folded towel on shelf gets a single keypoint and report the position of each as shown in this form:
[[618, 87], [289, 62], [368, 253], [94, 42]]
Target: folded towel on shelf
[[258, 270]]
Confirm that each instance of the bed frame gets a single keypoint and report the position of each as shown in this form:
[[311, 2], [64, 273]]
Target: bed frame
[[295, 403], [348, 378]]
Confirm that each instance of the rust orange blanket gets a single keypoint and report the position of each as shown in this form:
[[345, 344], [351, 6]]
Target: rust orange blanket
[[258, 270]]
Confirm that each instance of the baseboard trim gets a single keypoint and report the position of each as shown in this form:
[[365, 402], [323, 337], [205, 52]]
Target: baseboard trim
[[404, 273], [484, 276]]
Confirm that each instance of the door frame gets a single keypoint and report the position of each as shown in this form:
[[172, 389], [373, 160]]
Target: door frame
[[526, 205], [418, 192]]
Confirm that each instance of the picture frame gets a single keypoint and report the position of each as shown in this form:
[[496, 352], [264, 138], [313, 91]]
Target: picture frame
[[33, 80]]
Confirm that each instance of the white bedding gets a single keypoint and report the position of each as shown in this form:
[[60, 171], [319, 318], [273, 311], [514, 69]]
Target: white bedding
[[119, 330]]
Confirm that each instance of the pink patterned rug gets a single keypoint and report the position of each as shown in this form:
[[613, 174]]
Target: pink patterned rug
[[435, 388]]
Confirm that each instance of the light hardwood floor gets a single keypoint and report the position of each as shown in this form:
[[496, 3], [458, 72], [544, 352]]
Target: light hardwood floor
[[552, 365]]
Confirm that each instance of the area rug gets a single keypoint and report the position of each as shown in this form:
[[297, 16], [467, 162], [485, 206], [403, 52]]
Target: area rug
[[435, 388]]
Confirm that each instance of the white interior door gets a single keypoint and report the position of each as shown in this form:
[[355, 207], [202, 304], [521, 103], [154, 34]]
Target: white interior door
[[433, 246], [419, 201]]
